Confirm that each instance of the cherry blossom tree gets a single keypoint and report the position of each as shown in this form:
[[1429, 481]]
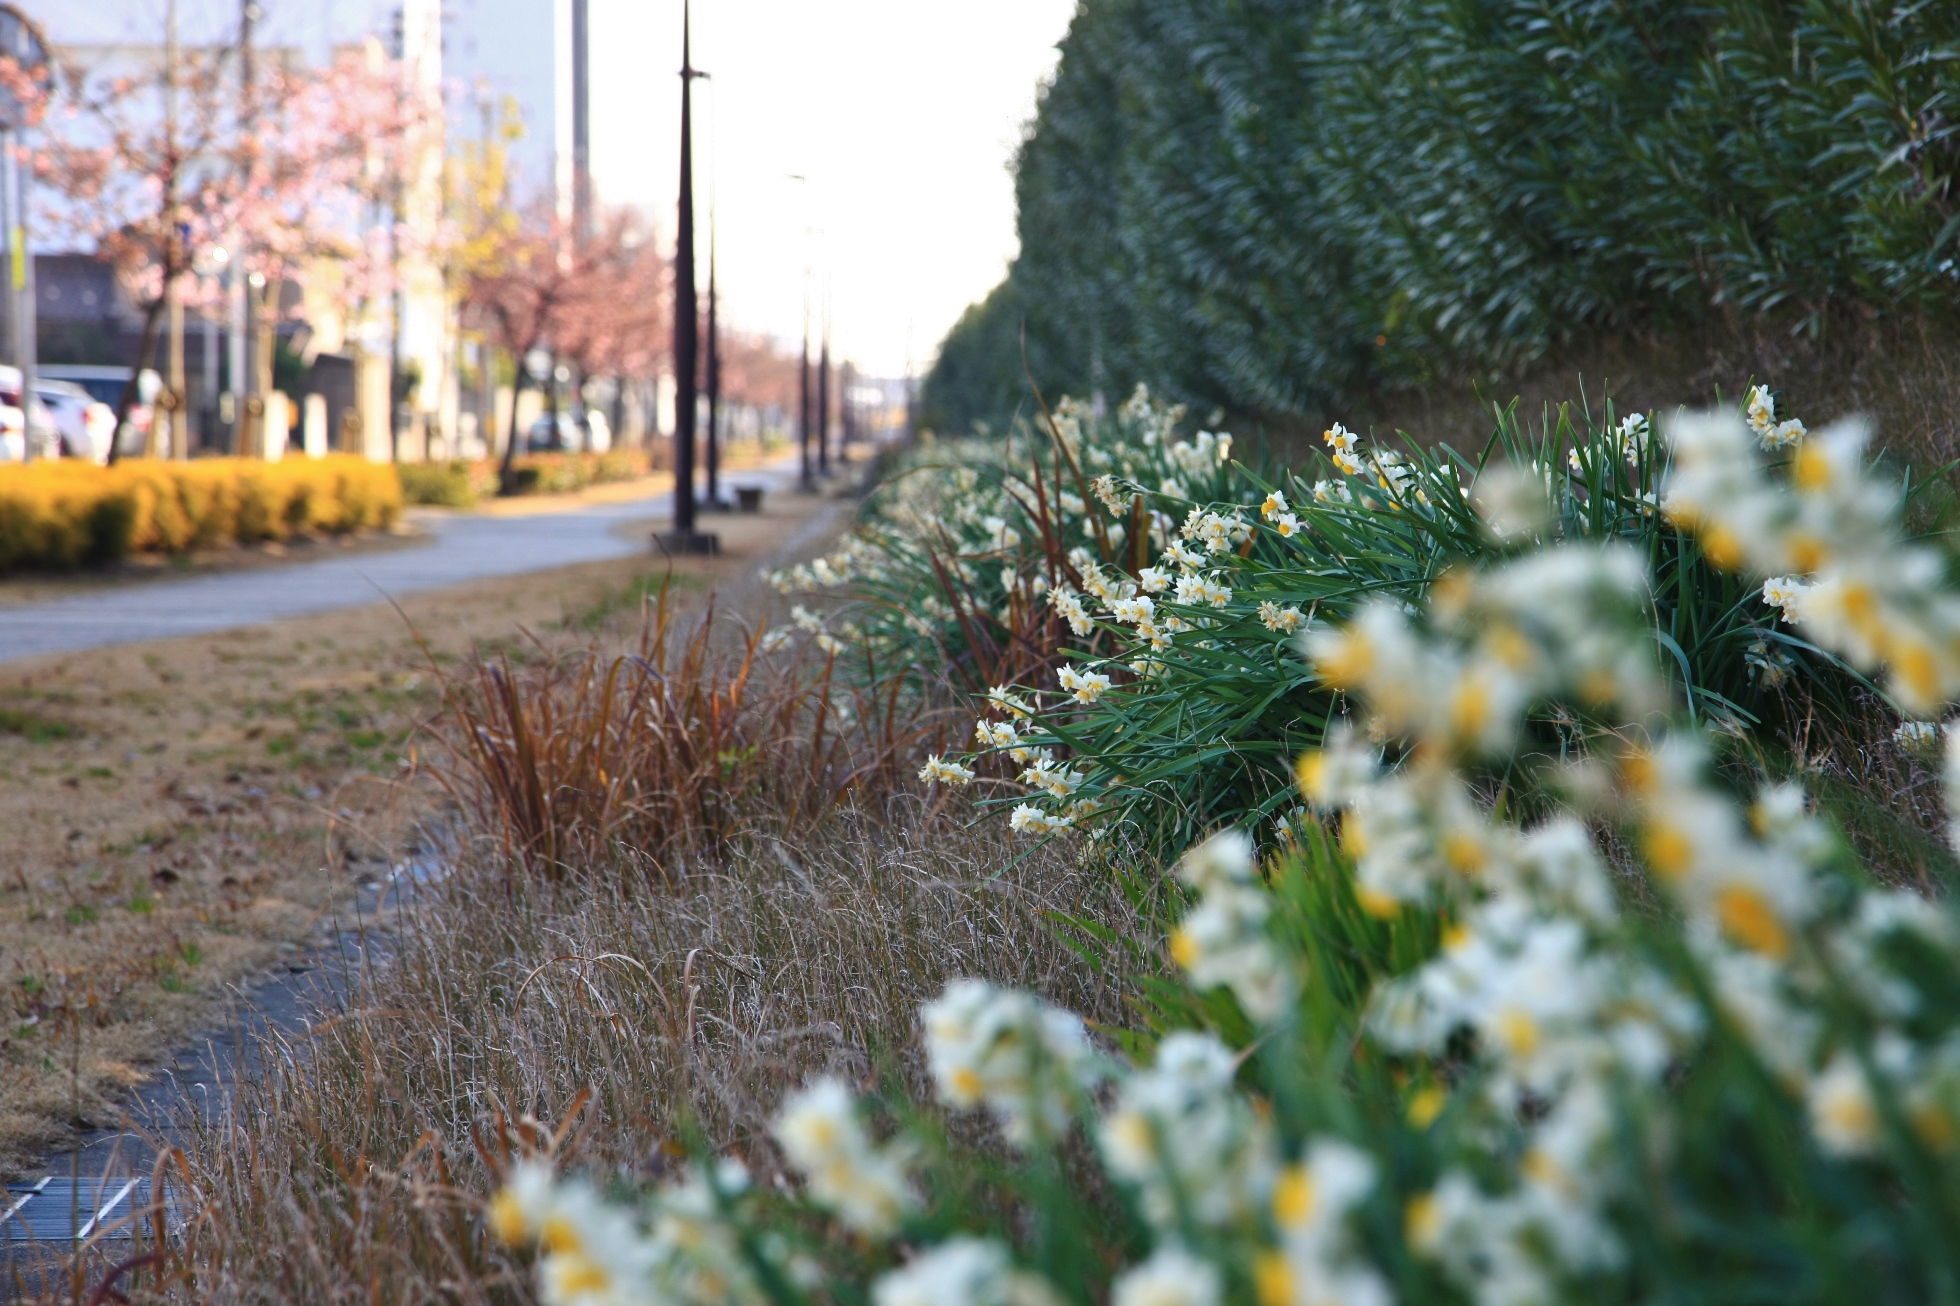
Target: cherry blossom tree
[[596, 301], [280, 168]]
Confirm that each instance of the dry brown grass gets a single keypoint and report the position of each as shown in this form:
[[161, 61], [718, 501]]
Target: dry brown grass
[[348, 1172], [667, 748]]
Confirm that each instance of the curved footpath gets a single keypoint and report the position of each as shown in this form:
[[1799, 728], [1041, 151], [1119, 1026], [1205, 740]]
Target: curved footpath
[[461, 548]]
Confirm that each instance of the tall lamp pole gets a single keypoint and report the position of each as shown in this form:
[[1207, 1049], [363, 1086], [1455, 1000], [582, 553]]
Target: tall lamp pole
[[712, 373], [807, 481], [823, 395], [684, 538]]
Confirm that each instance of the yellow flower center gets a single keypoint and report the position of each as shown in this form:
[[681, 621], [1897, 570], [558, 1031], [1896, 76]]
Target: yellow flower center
[[1311, 771], [1807, 552], [1813, 469], [1272, 1279], [560, 1237], [1426, 1105], [1669, 851], [1748, 918], [1850, 1115], [1130, 1132], [1517, 1031], [1934, 1126], [507, 1218], [1919, 671], [1183, 950], [1354, 838], [1293, 1197], [1422, 1222], [1376, 903], [1469, 707], [1597, 687], [1464, 853], [966, 1082], [1348, 663], [580, 1276], [1720, 546]]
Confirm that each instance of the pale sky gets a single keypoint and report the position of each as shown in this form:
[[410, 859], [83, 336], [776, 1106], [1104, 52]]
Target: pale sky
[[903, 114]]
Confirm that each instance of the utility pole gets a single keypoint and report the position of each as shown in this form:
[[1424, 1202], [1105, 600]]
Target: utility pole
[[683, 538], [245, 339], [20, 42], [582, 118], [174, 258]]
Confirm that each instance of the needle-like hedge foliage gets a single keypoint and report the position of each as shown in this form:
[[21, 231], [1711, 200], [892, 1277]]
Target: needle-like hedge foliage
[[1270, 204]]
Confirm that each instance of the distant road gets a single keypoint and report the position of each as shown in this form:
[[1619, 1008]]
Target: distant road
[[462, 548]]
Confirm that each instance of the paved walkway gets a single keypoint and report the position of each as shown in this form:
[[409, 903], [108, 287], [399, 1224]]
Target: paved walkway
[[461, 548]]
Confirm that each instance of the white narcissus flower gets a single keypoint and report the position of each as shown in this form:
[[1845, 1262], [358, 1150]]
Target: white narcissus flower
[[938, 770], [1281, 621], [1171, 1277], [1190, 1144], [821, 1136], [1007, 1050], [1087, 686], [1786, 593], [963, 1272], [1069, 608], [1029, 819], [1843, 1116]]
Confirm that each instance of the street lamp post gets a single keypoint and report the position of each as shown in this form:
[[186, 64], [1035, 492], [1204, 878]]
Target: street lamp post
[[807, 481], [713, 376], [823, 398], [683, 538]]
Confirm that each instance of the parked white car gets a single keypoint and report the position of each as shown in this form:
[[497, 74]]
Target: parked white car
[[105, 384], [13, 436], [84, 424]]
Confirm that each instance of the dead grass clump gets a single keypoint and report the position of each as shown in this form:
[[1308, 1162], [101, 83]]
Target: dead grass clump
[[663, 751], [346, 1168]]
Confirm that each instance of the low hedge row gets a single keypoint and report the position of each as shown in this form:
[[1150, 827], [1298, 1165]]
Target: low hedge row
[[65, 514], [459, 484]]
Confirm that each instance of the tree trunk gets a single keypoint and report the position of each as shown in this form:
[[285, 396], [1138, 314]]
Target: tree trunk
[[507, 475], [144, 354]]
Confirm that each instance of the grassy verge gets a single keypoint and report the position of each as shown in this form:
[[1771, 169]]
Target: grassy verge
[[637, 1022], [180, 813]]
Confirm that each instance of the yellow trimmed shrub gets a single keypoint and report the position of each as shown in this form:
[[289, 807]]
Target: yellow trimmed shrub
[[65, 514]]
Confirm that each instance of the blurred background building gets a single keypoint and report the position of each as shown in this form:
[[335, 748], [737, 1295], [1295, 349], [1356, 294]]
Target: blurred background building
[[502, 68]]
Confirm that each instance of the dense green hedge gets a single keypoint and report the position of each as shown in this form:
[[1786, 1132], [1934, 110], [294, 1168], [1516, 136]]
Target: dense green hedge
[[1272, 204]]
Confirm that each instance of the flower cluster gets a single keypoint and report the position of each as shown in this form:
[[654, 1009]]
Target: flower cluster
[[593, 1253], [1829, 541], [1760, 412], [863, 1184], [1004, 1050], [1537, 1046]]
